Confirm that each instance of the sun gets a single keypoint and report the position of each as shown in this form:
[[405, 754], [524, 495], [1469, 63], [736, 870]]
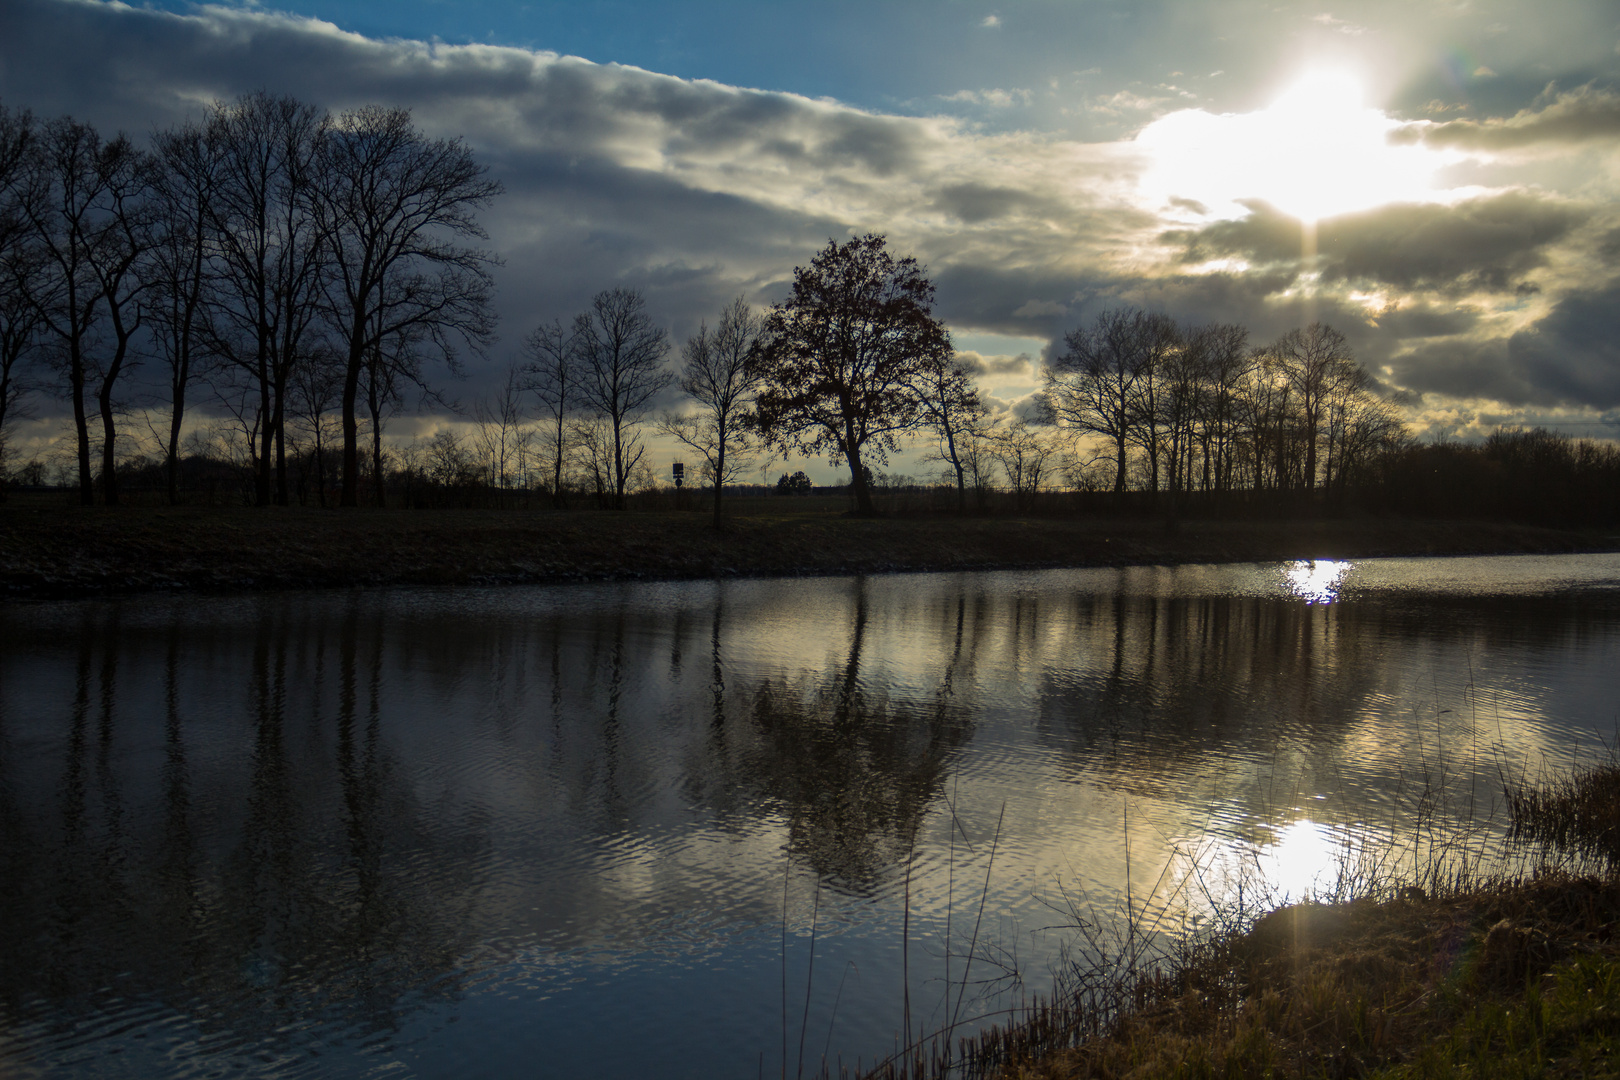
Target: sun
[[1318, 150]]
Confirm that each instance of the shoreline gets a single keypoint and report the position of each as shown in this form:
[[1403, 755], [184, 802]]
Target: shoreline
[[51, 552]]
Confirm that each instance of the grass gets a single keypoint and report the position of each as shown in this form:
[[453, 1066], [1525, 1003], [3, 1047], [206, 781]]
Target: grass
[[1515, 974], [1580, 811], [50, 548], [1495, 980]]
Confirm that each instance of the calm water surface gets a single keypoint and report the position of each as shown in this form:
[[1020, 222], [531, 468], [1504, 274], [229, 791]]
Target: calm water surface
[[604, 829]]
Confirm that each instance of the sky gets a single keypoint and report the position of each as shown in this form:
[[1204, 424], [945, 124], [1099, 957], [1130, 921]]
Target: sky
[[1438, 180]]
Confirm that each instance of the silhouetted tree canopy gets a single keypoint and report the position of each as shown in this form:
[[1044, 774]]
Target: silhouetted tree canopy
[[845, 354]]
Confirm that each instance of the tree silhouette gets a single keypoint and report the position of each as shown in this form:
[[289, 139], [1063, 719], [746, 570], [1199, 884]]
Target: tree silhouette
[[86, 207], [392, 204], [717, 373], [844, 355], [623, 354]]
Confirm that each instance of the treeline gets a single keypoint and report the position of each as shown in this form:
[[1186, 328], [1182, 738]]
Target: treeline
[[299, 263], [303, 268], [1530, 475], [1182, 410]]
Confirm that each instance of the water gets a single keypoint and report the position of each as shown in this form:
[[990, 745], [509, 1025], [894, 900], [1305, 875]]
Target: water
[[595, 829]]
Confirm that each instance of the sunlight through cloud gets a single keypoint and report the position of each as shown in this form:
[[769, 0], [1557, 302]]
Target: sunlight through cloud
[[1315, 152]]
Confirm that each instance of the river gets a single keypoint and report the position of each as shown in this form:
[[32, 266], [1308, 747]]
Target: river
[[604, 829]]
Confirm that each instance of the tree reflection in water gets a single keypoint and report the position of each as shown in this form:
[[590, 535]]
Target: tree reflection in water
[[853, 770], [310, 912], [272, 830]]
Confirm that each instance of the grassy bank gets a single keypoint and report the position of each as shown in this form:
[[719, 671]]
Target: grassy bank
[[48, 549], [1483, 978]]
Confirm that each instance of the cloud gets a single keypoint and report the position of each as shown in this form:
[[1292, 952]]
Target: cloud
[[994, 99], [1038, 308], [1572, 356], [1339, 26], [1567, 359], [1576, 116], [981, 365], [1124, 101], [694, 191], [991, 22], [973, 203], [1486, 243]]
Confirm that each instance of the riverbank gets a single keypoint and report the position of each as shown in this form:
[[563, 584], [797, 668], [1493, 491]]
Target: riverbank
[[48, 550], [1519, 980], [1506, 977]]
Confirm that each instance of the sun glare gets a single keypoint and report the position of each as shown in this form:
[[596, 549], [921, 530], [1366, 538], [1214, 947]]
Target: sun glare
[[1316, 151], [1303, 859], [1315, 581]]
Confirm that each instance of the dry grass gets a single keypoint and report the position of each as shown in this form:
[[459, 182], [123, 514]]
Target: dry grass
[[1503, 980], [1579, 812], [1515, 974]]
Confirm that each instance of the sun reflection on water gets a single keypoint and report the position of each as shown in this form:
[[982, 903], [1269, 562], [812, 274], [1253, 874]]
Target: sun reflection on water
[[1304, 858], [1316, 581]]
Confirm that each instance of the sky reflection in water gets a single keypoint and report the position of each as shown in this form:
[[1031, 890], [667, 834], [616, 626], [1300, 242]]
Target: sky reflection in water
[[408, 831]]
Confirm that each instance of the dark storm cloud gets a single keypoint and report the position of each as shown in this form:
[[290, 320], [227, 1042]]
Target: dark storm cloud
[[1569, 358], [988, 297], [130, 68], [1486, 243], [1572, 357], [1577, 116], [1426, 321], [570, 228]]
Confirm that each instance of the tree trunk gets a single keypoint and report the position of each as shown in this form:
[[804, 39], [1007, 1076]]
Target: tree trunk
[[349, 494], [109, 472], [81, 425], [172, 462], [857, 480], [376, 446], [618, 466], [281, 447], [719, 479]]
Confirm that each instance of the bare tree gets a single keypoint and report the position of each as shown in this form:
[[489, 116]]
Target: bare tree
[[186, 176], [553, 371], [19, 337], [1226, 365], [1315, 360], [593, 436], [953, 411], [1093, 384], [393, 205], [1183, 382], [85, 203], [1025, 454], [448, 463], [314, 393], [717, 373], [20, 266], [499, 434], [622, 351], [272, 252], [1156, 339]]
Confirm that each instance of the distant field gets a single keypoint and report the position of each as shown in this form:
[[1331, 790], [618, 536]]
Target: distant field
[[49, 548]]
